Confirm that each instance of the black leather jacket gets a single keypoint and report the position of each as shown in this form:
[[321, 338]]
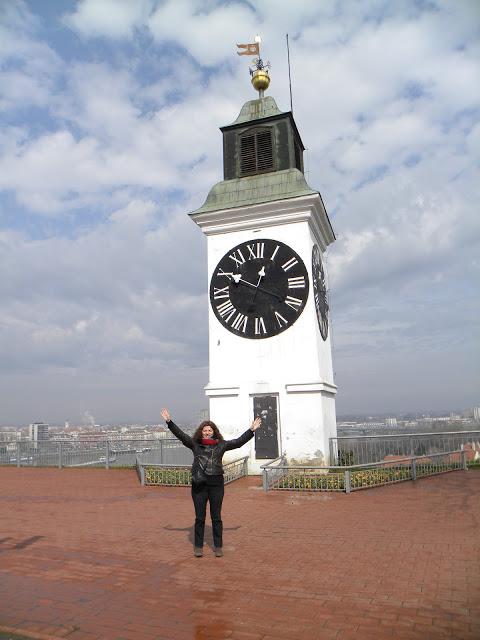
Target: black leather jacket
[[209, 457]]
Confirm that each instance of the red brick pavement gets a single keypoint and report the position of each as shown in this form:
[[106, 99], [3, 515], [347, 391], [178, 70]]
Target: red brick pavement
[[89, 554]]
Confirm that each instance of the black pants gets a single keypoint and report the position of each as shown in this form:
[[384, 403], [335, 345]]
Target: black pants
[[201, 494]]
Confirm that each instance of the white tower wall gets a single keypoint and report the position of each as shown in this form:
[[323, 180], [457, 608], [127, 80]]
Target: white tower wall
[[296, 365]]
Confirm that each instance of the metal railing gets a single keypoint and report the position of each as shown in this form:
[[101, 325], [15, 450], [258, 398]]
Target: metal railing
[[273, 471], [278, 475], [180, 475], [87, 453], [235, 469], [350, 450]]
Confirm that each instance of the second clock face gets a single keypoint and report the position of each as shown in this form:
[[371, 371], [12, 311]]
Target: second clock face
[[320, 291], [259, 288]]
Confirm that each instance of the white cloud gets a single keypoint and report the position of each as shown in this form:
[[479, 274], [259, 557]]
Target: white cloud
[[86, 302], [106, 142], [110, 18], [29, 67], [207, 33], [105, 273], [21, 89]]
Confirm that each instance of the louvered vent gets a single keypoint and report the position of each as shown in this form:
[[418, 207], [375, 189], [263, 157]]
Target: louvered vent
[[248, 156], [264, 151], [256, 153]]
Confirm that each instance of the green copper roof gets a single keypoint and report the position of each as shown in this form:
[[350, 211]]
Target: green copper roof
[[240, 192], [257, 109]]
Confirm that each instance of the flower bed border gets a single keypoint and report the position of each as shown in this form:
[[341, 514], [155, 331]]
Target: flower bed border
[[170, 475], [279, 476]]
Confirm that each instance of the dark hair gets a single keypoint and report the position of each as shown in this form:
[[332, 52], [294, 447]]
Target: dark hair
[[197, 436]]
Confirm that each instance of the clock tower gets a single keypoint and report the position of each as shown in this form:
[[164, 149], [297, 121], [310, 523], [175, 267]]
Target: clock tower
[[269, 339]]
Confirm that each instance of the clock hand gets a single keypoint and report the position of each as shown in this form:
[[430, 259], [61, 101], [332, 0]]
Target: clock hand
[[270, 293], [261, 274], [237, 277]]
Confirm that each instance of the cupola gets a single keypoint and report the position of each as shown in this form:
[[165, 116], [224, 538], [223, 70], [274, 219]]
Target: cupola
[[261, 140]]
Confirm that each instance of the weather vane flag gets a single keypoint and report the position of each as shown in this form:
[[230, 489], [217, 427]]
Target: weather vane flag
[[252, 49], [260, 77]]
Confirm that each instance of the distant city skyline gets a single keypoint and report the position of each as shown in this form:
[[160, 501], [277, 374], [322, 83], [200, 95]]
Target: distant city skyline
[[472, 412], [110, 136]]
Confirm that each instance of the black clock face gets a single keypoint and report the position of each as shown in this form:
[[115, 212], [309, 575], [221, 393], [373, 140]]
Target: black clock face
[[259, 288], [320, 292]]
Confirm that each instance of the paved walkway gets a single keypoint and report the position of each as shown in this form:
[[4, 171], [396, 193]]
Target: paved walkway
[[89, 554]]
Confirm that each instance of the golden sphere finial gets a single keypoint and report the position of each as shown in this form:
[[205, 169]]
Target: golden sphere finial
[[260, 80]]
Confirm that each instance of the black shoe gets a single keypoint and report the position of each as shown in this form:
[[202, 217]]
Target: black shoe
[[198, 552], [218, 552]]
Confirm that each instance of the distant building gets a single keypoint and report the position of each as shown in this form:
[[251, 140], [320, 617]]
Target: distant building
[[391, 422], [476, 414], [38, 431], [10, 435]]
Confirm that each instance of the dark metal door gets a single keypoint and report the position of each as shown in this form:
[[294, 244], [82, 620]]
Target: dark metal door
[[266, 438]]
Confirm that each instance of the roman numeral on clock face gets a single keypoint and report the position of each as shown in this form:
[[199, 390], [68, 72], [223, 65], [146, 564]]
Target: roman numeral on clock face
[[237, 257], [255, 250], [280, 319], [228, 274], [226, 310], [240, 323], [289, 264], [296, 283], [260, 327], [220, 293], [275, 252], [294, 303]]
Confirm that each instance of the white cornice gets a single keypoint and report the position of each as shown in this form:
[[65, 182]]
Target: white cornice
[[307, 208], [212, 391], [303, 387], [312, 387]]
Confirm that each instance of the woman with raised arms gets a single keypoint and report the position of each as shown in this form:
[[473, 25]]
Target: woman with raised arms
[[208, 447]]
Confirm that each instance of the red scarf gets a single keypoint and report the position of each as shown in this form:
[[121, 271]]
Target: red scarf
[[209, 441]]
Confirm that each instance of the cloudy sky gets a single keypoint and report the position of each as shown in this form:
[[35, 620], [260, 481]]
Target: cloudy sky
[[109, 116]]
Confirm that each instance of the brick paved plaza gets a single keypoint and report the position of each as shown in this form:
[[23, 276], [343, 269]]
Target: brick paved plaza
[[89, 554]]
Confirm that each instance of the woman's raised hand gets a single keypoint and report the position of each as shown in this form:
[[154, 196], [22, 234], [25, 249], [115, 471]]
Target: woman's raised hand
[[256, 423], [165, 415]]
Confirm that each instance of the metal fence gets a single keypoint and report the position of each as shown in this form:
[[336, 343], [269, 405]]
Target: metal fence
[[180, 475], [354, 450], [273, 472], [277, 475], [86, 453]]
